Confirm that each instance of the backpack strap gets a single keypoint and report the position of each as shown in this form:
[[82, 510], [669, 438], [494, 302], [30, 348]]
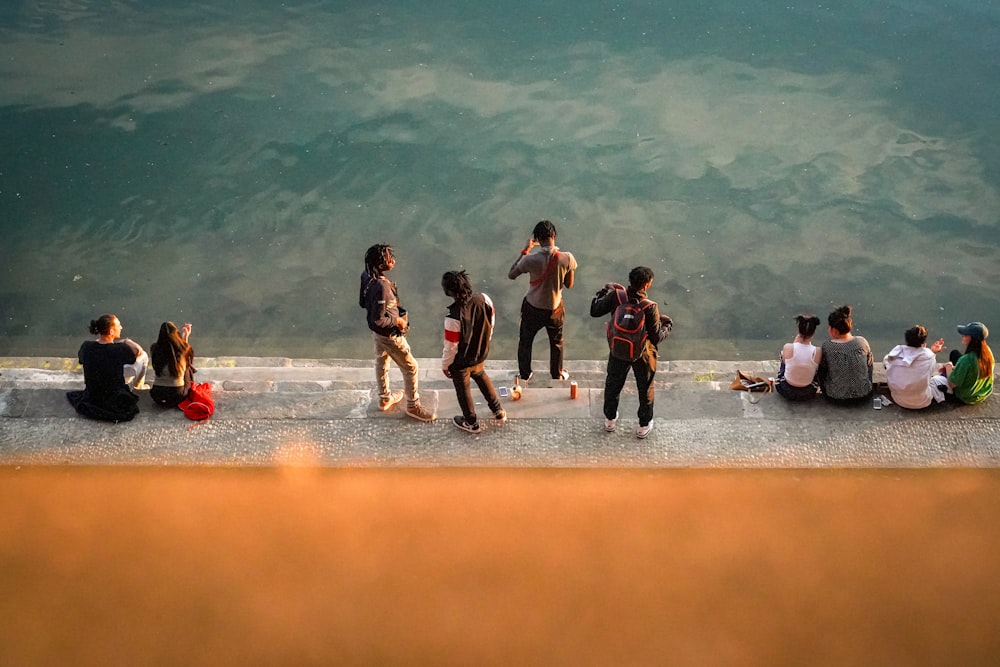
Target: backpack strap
[[548, 270]]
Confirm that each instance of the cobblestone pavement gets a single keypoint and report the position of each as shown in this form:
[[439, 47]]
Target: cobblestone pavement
[[275, 410]]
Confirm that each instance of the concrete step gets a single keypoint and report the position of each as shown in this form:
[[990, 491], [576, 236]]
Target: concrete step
[[283, 375]]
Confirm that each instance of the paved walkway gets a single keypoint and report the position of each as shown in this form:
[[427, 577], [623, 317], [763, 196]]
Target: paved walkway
[[277, 410], [160, 541]]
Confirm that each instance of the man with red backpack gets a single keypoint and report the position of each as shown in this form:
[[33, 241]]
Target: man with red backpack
[[634, 331]]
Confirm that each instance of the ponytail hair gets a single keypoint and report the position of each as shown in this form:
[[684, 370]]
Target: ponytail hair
[[456, 285], [807, 325], [984, 354], [102, 325], [840, 320]]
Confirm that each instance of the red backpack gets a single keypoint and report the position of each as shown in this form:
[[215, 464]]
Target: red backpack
[[627, 328]]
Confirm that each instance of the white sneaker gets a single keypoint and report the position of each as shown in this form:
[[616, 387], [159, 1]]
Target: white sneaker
[[611, 424], [642, 431]]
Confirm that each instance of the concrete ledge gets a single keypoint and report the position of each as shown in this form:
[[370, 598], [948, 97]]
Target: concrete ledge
[[326, 412]]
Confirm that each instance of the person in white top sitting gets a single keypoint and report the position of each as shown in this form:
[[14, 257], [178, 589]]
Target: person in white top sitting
[[910, 369], [799, 360]]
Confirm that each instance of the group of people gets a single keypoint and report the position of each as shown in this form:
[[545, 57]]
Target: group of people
[[468, 330], [114, 366], [841, 368]]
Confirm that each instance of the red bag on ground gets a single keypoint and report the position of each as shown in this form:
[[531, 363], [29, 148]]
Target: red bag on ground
[[199, 403]]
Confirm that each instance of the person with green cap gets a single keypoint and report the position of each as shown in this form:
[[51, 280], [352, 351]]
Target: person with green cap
[[970, 375]]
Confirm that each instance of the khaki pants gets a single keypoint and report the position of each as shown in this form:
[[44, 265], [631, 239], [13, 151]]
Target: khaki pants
[[397, 349]]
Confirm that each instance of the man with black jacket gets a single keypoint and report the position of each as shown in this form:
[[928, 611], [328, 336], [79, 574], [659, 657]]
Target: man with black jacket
[[656, 327], [468, 328], [388, 322]]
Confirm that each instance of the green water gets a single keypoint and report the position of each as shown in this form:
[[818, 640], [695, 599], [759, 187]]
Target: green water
[[227, 164]]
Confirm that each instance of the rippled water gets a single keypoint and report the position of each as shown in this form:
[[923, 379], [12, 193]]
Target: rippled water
[[228, 163]]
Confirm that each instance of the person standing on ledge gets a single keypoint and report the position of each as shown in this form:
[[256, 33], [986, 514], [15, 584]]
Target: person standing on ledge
[[632, 346], [549, 271], [468, 327], [388, 322]]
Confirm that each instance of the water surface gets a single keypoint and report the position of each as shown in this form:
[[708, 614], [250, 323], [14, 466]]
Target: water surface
[[228, 163]]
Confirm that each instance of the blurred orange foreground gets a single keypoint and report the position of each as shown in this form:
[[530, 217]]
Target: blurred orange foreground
[[311, 566]]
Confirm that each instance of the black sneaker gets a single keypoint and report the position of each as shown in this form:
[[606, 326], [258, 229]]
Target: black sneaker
[[461, 423]]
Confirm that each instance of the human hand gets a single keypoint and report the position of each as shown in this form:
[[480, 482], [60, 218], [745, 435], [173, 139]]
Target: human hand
[[532, 243], [666, 321], [937, 346], [186, 330], [446, 372]]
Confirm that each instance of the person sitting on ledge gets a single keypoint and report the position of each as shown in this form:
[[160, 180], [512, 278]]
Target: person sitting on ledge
[[970, 375], [799, 361], [845, 370], [173, 363], [112, 366], [910, 368]]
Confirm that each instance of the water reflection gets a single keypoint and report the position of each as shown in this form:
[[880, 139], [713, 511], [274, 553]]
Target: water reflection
[[228, 165]]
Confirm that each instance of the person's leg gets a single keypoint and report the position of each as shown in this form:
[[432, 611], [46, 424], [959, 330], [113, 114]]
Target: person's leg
[[460, 378], [613, 383], [486, 387], [531, 323], [644, 373], [954, 356], [135, 373], [554, 328], [398, 350], [382, 345]]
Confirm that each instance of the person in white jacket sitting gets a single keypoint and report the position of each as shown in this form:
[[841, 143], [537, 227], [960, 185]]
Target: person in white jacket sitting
[[910, 370]]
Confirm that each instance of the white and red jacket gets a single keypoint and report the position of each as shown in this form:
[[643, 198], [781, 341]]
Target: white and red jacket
[[468, 329]]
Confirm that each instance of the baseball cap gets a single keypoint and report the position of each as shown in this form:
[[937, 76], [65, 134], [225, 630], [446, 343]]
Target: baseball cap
[[977, 330]]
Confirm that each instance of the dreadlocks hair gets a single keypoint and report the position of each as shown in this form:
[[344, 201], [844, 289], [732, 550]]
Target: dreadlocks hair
[[377, 259], [456, 285]]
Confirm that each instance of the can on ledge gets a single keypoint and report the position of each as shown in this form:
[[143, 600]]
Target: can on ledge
[[572, 389]]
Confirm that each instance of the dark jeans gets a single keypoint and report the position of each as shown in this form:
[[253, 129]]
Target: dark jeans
[[460, 377], [534, 320], [791, 392], [644, 370], [168, 397]]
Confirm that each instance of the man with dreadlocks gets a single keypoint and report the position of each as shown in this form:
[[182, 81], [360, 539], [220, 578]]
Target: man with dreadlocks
[[388, 322], [468, 327]]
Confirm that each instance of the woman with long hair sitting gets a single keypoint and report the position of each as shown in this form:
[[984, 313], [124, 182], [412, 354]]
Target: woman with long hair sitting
[[173, 365], [970, 375]]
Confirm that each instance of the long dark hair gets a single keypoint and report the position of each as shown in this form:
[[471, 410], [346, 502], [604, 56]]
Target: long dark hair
[[456, 285], [169, 349], [377, 260]]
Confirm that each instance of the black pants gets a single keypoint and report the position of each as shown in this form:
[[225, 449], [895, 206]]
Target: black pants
[[644, 369], [534, 320], [460, 378]]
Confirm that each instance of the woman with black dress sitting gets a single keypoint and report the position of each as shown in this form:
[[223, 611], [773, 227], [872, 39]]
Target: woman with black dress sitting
[[107, 362]]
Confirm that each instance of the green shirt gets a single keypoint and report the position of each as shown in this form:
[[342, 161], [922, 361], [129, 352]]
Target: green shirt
[[969, 387]]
